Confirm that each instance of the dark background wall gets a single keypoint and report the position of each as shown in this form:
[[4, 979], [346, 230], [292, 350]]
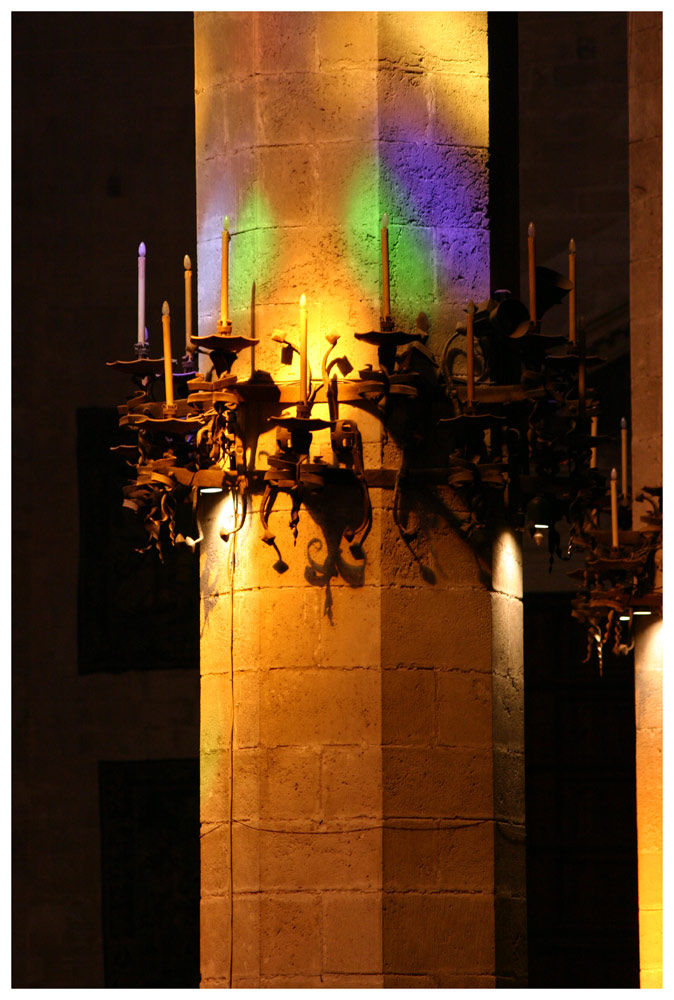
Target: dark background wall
[[103, 157]]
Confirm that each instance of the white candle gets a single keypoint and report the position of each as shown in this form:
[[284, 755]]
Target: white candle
[[614, 508], [623, 450], [224, 280], [386, 288], [303, 348], [141, 294], [187, 264], [168, 361]]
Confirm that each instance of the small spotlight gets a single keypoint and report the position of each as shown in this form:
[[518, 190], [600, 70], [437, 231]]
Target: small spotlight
[[642, 611], [624, 618], [210, 489], [544, 526]]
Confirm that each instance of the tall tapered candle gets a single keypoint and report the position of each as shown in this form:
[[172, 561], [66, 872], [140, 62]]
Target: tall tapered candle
[[594, 424], [614, 508], [187, 264], [531, 241], [168, 361], [470, 354], [141, 294], [303, 348], [224, 280], [385, 285], [572, 292], [623, 457]]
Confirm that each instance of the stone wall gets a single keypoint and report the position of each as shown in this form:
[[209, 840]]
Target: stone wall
[[355, 789]]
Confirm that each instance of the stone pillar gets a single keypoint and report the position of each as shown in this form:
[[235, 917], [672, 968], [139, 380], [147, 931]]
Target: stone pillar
[[362, 787], [645, 115]]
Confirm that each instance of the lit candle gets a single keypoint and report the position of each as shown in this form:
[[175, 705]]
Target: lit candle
[[470, 354], [614, 508], [224, 281], [594, 424], [531, 240], [386, 290], [623, 456], [187, 264], [168, 361], [141, 294], [303, 348], [572, 293]]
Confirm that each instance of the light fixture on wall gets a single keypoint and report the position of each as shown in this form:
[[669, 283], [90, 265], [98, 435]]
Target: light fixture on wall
[[504, 417]]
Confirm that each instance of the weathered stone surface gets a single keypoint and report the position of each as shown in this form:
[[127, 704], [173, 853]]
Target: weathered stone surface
[[437, 781], [352, 932], [458, 933], [214, 944], [464, 702], [292, 922], [458, 859], [350, 782]]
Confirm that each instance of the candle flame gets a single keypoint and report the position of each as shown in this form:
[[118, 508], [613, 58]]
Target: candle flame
[[165, 309], [303, 301], [614, 474], [142, 250], [531, 231], [623, 424], [572, 245], [225, 224], [384, 221], [187, 263]]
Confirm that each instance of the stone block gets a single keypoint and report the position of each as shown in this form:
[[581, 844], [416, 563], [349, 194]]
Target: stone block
[[322, 859], [216, 712], [214, 937], [409, 982], [648, 698], [350, 782], [223, 47], [404, 101], [646, 227], [352, 929], [249, 765], [459, 859], [510, 938], [326, 106], [649, 789], [645, 169], [509, 786], [510, 859], [645, 52], [215, 858], [434, 40], [247, 937], [464, 708], [214, 786], [508, 711], [645, 110], [436, 628], [461, 110], [458, 933], [286, 41], [408, 706], [287, 178], [351, 982], [650, 939], [650, 880], [245, 850], [290, 784], [650, 979], [290, 928], [291, 982], [304, 707], [437, 782], [347, 39], [246, 709]]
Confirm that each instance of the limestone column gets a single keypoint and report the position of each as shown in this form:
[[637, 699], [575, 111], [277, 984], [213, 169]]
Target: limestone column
[[645, 123], [361, 755]]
